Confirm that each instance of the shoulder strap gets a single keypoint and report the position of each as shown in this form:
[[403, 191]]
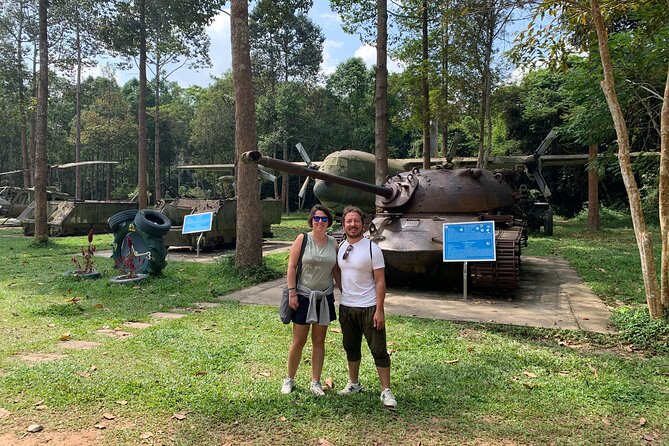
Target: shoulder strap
[[299, 259], [371, 259]]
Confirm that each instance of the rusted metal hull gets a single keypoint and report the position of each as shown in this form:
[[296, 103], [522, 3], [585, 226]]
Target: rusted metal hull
[[413, 252]]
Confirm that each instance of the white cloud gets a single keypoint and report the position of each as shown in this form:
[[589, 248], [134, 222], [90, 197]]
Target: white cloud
[[93, 71], [220, 23], [220, 51], [329, 20], [330, 61], [368, 54]]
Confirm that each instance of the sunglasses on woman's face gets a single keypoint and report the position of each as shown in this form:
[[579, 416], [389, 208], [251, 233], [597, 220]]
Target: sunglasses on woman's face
[[347, 252], [318, 218]]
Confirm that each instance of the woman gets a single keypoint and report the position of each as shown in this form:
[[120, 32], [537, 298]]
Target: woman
[[311, 296]]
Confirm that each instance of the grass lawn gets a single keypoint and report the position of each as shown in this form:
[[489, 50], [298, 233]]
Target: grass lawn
[[213, 377]]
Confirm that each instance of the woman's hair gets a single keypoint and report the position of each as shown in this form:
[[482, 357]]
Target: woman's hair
[[322, 208]]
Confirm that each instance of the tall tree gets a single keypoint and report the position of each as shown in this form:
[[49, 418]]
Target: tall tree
[[126, 32], [249, 225], [644, 236], [425, 86], [41, 168], [641, 22], [16, 24], [75, 26], [177, 38], [213, 134], [353, 85], [142, 150], [381, 95], [361, 17], [286, 46]]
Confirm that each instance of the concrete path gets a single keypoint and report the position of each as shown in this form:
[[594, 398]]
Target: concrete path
[[551, 295]]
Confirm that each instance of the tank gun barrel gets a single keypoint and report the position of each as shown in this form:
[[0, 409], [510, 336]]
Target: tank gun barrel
[[255, 156]]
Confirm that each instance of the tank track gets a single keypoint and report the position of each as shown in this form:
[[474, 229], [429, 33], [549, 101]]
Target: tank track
[[505, 272]]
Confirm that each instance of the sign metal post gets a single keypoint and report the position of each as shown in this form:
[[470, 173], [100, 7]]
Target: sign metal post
[[194, 223]]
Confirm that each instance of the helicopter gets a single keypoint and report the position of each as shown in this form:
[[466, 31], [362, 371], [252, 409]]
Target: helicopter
[[360, 166]]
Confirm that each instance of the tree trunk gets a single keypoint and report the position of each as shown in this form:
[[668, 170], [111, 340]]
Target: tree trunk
[[425, 92], [156, 136], [249, 221], [488, 86], [142, 151], [664, 194], [444, 84], [41, 170], [594, 223], [485, 89], [643, 236], [381, 95], [33, 118], [77, 142], [25, 155]]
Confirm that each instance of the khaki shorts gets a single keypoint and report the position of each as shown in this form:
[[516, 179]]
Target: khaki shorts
[[359, 322]]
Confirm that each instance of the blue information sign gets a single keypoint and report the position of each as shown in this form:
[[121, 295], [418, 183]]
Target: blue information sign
[[197, 223], [470, 241]]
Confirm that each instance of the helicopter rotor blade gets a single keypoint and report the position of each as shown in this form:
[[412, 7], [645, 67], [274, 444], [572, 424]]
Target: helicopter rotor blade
[[545, 144], [303, 189], [303, 154], [266, 175], [541, 182], [11, 172]]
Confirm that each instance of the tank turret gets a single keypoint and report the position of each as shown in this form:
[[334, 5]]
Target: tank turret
[[416, 204]]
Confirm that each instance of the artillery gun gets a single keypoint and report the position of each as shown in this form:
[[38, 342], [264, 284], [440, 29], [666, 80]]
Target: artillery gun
[[416, 204]]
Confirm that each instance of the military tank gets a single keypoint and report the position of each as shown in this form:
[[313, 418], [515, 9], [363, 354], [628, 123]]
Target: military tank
[[416, 204]]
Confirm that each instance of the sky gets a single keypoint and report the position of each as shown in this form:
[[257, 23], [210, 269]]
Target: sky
[[337, 48]]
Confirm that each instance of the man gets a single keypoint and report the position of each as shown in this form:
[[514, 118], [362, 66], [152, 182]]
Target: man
[[361, 312]]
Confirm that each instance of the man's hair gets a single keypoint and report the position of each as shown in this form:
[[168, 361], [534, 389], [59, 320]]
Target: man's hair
[[322, 208], [349, 209]]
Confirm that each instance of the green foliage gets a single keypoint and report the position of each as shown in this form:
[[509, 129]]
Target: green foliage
[[285, 43], [223, 368], [213, 124], [353, 85], [253, 274], [637, 328]]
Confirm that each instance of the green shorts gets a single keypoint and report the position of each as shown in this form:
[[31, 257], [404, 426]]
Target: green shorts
[[356, 323]]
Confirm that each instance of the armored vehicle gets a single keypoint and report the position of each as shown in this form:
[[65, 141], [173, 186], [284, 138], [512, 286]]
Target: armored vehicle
[[74, 217], [224, 225], [15, 200], [415, 206]]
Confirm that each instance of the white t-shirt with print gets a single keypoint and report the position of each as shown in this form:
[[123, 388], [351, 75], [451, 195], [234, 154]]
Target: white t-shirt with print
[[357, 277]]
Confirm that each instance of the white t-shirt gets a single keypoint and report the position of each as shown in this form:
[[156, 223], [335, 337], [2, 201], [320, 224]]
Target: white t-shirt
[[357, 277]]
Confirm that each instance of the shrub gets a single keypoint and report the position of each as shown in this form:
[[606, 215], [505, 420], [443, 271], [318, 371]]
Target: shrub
[[639, 329]]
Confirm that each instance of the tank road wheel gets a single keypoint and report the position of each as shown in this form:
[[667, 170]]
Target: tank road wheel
[[548, 222], [152, 223], [116, 220]]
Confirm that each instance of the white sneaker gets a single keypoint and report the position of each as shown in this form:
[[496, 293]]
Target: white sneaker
[[316, 388], [388, 399], [287, 386], [350, 389]]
